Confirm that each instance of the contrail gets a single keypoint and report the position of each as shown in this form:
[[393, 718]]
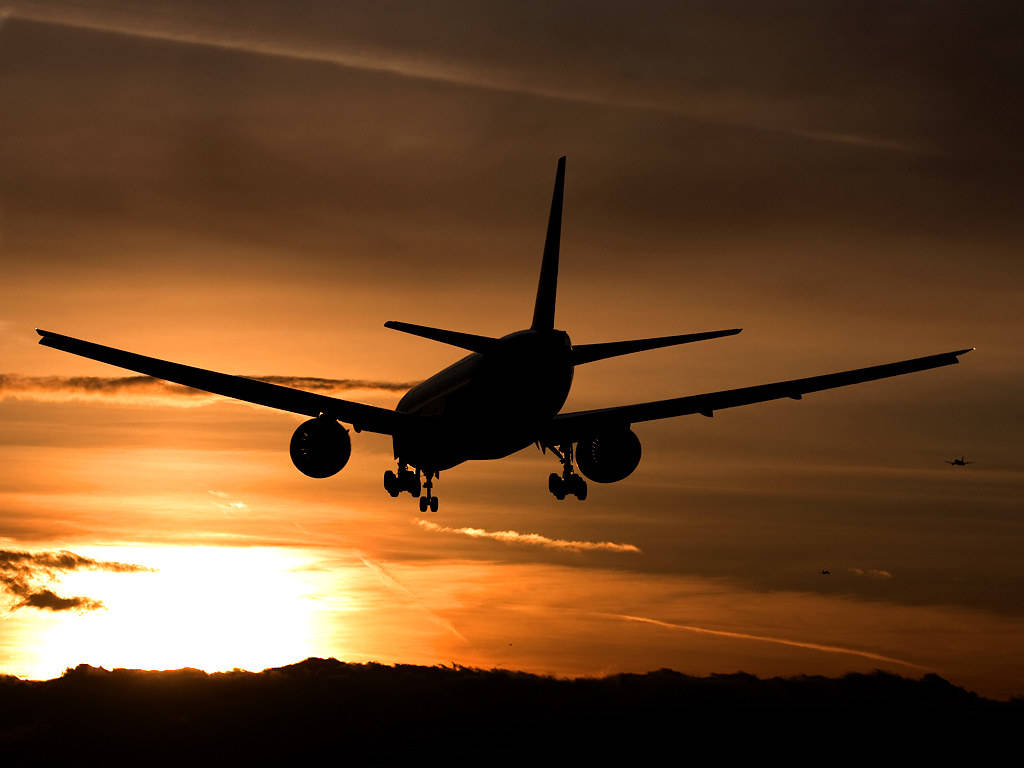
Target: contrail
[[765, 639], [426, 68], [514, 537], [395, 585]]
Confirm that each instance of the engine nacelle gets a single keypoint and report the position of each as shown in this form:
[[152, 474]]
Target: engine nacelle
[[320, 447], [609, 457]]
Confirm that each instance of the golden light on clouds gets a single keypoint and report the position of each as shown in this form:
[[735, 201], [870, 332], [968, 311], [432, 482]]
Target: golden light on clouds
[[262, 200], [530, 539], [145, 390], [212, 608]]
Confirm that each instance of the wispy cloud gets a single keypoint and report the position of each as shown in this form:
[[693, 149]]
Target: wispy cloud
[[145, 390], [874, 573], [765, 639], [534, 539], [225, 501], [22, 575]]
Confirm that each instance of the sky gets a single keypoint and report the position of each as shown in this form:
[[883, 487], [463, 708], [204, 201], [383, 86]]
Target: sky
[[258, 194]]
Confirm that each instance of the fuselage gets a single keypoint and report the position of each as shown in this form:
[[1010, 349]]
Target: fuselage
[[487, 405]]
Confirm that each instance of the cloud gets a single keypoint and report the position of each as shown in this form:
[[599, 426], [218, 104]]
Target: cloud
[[874, 573], [145, 390], [44, 598], [227, 502], [21, 574], [535, 539]]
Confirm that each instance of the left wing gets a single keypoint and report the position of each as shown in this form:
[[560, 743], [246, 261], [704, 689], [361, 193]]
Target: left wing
[[580, 424], [360, 416]]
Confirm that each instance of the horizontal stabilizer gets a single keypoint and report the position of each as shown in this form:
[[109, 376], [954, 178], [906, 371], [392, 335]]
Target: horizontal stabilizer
[[588, 353], [468, 341]]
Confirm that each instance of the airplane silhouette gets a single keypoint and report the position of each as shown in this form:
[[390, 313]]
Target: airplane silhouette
[[961, 462], [497, 400]]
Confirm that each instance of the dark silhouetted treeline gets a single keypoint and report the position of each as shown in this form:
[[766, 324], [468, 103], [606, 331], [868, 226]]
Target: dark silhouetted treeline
[[369, 709]]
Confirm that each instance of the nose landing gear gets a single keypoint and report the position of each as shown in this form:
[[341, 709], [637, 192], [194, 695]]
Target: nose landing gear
[[568, 483], [429, 501]]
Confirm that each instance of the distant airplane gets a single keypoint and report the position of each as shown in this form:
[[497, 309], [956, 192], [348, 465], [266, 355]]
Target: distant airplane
[[497, 400], [961, 462], [826, 572]]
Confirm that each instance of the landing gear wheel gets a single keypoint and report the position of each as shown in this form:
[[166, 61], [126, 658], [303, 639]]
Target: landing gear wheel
[[556, 485], [433, 503], [423, 503], [578, 487], [391, 484], [411, 483]]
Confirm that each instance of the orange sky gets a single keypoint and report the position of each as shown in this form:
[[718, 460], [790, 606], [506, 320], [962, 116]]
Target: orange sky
[[259, 198]]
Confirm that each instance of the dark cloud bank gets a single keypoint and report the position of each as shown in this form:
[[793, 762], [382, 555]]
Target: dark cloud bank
[[359, 709], [125, 388], [21, 574]]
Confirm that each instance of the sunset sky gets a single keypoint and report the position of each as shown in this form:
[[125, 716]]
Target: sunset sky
[[257, 192]]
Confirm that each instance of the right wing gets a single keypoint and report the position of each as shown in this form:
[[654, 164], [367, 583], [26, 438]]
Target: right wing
[[581, 424], [360, 416]]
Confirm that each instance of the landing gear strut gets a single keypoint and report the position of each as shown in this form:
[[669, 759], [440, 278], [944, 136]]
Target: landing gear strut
[[568, 482], [430, 500]]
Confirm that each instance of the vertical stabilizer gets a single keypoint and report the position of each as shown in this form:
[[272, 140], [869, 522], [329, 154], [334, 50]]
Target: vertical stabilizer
[[544, 308]]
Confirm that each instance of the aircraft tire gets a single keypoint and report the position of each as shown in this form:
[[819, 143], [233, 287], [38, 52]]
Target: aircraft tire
[[556, 486], [412, 485], [391, 484], [433, 503], [423, 503]]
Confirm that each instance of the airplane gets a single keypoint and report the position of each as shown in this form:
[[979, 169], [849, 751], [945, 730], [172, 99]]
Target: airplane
[[826, 572], [961, 462], [505, 395]]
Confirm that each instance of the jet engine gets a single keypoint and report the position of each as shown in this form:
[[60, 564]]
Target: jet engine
[[609, 457], [320, 447]]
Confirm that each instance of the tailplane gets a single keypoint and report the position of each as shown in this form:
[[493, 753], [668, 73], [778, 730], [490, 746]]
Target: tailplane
[[588, 353], [468, 341], [544, 307]]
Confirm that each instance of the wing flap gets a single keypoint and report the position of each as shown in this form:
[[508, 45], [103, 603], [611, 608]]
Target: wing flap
[[368, 417], [572, 426]]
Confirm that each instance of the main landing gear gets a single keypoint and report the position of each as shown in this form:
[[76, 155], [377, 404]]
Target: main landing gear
[[568, 483], [407, 481]]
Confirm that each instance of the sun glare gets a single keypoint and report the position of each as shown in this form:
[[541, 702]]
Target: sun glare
[[212, 608]]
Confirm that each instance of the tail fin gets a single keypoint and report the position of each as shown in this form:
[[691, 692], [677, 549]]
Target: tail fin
[[588, 353], [544, 307]]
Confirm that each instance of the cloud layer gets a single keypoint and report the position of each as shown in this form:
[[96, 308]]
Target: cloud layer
[[145, 390], [22, 575], [534, 539]]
